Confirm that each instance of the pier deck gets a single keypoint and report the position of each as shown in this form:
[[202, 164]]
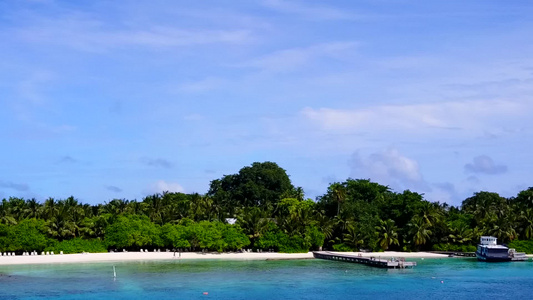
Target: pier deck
[[369, 261]]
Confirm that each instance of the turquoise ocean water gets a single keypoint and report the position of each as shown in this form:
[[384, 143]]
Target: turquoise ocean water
[[302, 279]]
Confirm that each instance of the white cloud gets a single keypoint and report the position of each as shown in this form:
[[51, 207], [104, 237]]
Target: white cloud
[[388, 167], [294, 58], [467, 115], [163, 186]]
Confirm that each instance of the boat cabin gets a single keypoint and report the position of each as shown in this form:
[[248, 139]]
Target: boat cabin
[[488, 240]]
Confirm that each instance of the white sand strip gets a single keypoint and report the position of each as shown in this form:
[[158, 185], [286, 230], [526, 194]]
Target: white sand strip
[[138, 256], [133, 256]]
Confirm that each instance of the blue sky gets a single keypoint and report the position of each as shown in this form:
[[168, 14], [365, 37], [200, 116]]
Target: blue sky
[[120, 99]]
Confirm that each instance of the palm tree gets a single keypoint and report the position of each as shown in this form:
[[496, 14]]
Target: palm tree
[[115, 207], [431, 213], [325, 224], [76, 218], [60, 228], [202, 208], [342, 224], [50, 208], [299, 193], [477, 233], [253, 221], [196, 209], [136, 208], [387, 234], [526, 220], [419, 230], [461, 234], [503, 230], [295, 216], [33, 209], [5, 214], [339, 192], [354, 238], [16, 208], [95, 227]]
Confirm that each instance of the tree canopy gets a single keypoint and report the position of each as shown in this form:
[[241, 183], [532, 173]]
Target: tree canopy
[[271, 214], [259, 185]]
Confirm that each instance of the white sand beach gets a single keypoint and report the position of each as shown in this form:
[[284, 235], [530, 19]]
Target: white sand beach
[[140, 256]]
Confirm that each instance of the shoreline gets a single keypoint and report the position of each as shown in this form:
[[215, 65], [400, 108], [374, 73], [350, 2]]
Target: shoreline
[[168, 256]]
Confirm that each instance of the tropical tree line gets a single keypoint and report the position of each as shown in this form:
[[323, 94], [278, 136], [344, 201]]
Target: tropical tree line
[[259, 208]]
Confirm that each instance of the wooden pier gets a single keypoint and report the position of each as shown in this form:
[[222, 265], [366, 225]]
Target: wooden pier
[[455, 254], [369, 261]]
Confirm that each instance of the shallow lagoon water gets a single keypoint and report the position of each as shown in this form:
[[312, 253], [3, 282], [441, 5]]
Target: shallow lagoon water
[[453, 278]]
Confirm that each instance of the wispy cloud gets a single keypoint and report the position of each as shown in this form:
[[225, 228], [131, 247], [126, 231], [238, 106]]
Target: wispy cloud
[[445, 193], [157, 162], [473, 180], [298, 82], [21, 187], [309, 10], [467, 115], [84, 32], [41, 131], [31, 95], [113, 188], [295, 58], [483, 164], [200, 86], [28, 88], [67, 159]]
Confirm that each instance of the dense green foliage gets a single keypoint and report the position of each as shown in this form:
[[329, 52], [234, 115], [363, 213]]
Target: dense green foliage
[[77, 245], [270, 214], [262, 185], [522, 246], [132, 231], [26, 235]]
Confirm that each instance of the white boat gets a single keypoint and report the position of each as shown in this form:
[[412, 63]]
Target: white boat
[[488, 250]]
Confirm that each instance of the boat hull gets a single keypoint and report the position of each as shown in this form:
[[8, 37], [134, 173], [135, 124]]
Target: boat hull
[[486, 258]]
